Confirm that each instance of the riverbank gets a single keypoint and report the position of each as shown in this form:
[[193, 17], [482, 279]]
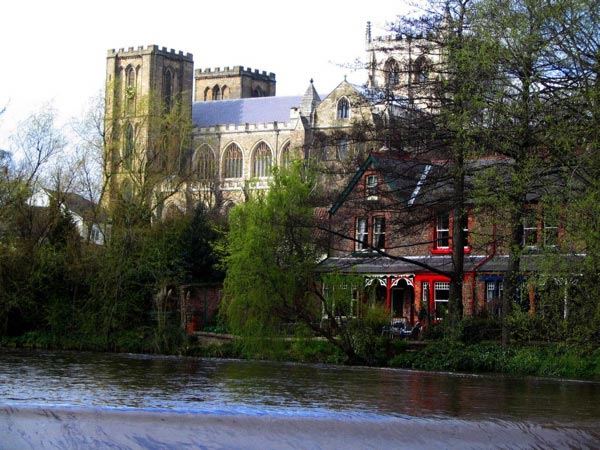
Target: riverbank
[[553, 360]]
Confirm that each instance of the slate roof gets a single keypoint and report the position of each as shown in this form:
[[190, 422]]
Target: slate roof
[[411, 181], [386, 265], [245, 110], [383, 265]]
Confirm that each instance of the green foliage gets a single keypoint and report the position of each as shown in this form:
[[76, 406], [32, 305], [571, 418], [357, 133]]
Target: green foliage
[[474, 329], [271, 257], [315, 351]]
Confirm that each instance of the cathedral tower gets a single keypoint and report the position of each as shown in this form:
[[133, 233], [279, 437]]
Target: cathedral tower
[[147, 118], [235, 83], [405, 66]]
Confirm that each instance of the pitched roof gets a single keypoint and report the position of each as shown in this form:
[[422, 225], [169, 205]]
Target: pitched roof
[[386, 265], [408, 179], [245, 110], [310, 100]]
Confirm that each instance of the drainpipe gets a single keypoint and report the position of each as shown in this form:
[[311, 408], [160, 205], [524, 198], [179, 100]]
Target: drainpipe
[[481, 263]]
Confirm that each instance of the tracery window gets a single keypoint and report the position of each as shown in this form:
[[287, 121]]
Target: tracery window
[[343, 108], [130, 77], [130, 89], [422, 67], [392, 73], [205, 163], [261, 164], [233, 161], [286, 157]]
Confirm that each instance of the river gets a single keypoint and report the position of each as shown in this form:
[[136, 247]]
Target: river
[[75, 400]]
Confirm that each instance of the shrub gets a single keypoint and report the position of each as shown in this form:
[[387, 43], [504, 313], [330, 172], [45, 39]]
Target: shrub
[[474, 329]]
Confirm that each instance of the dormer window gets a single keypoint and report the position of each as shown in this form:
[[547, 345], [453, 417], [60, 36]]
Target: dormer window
[[343, 108], [372, 187]]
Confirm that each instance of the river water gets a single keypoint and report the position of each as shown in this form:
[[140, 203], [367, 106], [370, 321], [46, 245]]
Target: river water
[[73, 400]]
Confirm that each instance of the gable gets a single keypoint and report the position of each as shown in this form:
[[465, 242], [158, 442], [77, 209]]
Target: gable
[[405, 180]]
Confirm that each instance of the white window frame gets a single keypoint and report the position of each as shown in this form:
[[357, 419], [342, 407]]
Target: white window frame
[[372, 186], [362, 234], [530, 228], [440, 286], [442, 233], [379, 232]]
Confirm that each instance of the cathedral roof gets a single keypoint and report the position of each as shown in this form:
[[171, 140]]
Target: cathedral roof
[[245, 110]]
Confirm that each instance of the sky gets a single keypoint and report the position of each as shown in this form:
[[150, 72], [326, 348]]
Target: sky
[[54, 52]]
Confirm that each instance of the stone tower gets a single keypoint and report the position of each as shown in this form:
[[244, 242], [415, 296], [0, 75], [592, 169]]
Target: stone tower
[[236, 83], [147, 118], [404, 66]]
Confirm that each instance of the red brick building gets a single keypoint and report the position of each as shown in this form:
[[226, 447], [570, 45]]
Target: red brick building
[[392, 226]]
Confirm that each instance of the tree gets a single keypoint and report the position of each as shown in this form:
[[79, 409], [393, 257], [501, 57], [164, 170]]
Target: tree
[[528, 103], [435, 106], [270, 255]]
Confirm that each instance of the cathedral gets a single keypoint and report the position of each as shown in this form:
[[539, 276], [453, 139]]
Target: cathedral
[[177, 136]]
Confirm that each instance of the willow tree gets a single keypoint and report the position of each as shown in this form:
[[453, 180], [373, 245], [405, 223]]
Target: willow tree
[[271, 256]]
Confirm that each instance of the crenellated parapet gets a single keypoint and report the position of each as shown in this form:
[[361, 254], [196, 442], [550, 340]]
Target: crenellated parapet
[[235, 71], [150, 49]]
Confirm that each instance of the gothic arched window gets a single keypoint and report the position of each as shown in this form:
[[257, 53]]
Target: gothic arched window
[[216, 93], [130, 89], [258, 92], [225, 92], [129, 146], [261, 161], [392, 73], [422, 67], [130, 77], [205, 163], [233, 161], [168, 90], [286, 157], [207, 94], [343, 108]]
